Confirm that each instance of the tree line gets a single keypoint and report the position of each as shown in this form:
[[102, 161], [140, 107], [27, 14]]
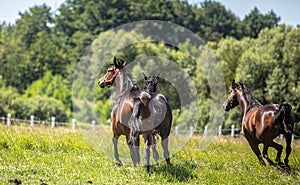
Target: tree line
[[40, 52]]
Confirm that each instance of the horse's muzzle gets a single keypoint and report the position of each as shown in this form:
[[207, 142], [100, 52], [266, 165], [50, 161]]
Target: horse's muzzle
[[101, 83], [226, 107]]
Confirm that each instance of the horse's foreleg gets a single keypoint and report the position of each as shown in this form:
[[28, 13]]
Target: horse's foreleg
[[147, 139], [279, 148], [116, 153], [155, 153], [154, 149], [288, 149], [255, 149], [265, 155]]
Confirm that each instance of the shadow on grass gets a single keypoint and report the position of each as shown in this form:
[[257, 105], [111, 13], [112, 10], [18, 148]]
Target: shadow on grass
[[176, 172]]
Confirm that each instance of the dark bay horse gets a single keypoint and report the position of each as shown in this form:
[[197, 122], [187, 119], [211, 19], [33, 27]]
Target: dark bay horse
[[163, 129], [262, 123], [131, 112]]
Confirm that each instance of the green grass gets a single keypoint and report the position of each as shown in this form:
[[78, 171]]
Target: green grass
[[59, 156]]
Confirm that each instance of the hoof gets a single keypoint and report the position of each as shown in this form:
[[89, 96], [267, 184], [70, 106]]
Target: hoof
[[281, 164], [287, 168], [262, 162], [119, 163], [148, 168]]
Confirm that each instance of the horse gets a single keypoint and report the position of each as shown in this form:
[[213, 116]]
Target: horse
[[262, 123], [163, 130], [132, 105]]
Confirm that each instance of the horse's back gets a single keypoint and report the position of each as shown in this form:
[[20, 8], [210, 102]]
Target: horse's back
[[265, 121], [166, 122]]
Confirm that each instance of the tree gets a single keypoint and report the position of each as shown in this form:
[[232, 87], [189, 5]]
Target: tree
[[37, 19], [51, 86], [43, 108], [255, 21], [216, 21]]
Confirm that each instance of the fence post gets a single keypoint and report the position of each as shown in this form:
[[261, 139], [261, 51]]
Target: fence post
[[281, 136], [8, 119], [191, 130], [220, 130], [205, 130], [73, 124], [31, 120], [52, 122], [93, 124], [232, 130], [176, 130]]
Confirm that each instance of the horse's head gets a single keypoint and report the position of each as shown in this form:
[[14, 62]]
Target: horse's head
[[232, 100], [112, 73], [150, 83]]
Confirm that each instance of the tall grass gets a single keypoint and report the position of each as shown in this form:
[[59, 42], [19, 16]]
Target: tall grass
[[43, 156]]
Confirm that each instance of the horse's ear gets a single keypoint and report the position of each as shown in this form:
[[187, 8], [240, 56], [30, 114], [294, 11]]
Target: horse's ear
[[145, 77], [242, 85], [233, 82], [124, 63], [115, 61]]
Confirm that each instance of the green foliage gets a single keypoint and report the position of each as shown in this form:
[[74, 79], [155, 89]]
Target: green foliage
[[255, 21], [43, 108], [84, 111], [216, 21], [7, 96], [103, 109], [39, 54], [51, 86]]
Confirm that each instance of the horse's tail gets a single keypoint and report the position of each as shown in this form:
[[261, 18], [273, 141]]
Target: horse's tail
[[134, 121], [284, 117]]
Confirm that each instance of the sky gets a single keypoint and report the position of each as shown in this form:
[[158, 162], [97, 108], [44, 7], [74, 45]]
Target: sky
[[288, 10]]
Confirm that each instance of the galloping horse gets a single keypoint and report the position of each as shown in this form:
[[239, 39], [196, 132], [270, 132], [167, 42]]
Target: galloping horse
[[132, 112], [262, 123]]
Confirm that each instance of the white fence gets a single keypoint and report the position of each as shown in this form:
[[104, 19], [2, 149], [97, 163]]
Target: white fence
[[53, 123], [234, 132]]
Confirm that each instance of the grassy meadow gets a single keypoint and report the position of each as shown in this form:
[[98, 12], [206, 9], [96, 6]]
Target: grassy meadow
[[40, 155]]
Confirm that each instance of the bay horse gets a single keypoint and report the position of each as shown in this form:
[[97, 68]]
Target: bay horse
[[262, 123], [132, 109]]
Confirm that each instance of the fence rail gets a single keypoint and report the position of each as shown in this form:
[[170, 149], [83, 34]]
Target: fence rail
[[52, 122], [234, 132]]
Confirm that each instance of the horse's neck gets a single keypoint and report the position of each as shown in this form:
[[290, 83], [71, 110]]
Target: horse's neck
[[124, 84], [246, 102], [243, 102]]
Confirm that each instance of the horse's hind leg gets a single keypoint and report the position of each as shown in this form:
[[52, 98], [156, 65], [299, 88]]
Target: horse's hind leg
[[116, 153], [134, 149], [288, 149], [165, 146], [154, 149]]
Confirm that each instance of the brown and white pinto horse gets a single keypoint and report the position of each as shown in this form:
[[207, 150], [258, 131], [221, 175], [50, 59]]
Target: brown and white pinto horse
[[262, 123], [132, 112]]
